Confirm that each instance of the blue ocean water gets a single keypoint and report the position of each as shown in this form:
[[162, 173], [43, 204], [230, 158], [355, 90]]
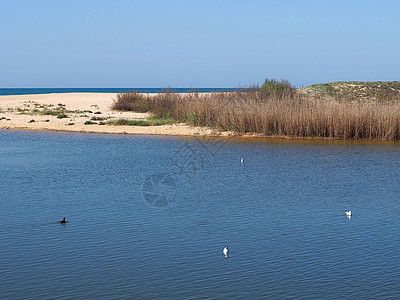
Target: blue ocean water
[[149, 217], [29, 91]]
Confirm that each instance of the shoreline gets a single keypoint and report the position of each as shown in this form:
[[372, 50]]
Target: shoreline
[[27, 112], [18, 111], [169, 130]]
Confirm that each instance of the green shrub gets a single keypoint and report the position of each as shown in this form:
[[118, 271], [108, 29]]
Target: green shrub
[[89, 123], [193, 118], [155, 121], [128, 122], [275, 88], [49, 112], [62, 115]]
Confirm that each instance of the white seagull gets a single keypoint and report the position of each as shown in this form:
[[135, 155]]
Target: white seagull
[[348, 213], [226, 251], [241, 160]]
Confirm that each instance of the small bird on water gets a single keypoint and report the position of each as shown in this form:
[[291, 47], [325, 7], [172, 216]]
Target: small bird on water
[[348, 213], [63, 220], [241, 160], [226, 251]]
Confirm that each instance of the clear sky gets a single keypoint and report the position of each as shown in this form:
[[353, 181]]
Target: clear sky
[[193, 43]]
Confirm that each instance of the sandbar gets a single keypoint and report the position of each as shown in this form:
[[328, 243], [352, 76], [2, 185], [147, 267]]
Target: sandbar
[[25, 112]]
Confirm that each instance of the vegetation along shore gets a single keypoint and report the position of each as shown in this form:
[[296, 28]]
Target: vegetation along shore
[[340, 110], [343, 110]]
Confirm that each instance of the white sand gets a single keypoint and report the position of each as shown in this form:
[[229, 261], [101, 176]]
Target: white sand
[[12, 108]]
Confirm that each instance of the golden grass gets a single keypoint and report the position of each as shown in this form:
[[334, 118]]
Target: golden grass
[[292, 115]]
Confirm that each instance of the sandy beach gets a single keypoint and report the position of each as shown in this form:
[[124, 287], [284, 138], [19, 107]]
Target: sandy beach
[[26, 112]]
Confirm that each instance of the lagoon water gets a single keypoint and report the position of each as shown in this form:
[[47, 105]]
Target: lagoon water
[[149, 217]]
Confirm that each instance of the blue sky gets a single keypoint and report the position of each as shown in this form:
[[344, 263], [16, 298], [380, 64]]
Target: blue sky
[[194, 43]]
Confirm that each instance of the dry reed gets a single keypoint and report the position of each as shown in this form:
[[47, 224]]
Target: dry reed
[[291, 115]]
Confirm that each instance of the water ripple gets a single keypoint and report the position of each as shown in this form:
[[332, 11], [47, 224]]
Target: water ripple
[[281, 213]]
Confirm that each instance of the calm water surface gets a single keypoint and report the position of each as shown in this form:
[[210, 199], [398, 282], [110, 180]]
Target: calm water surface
[[281, 213], [29, 91]]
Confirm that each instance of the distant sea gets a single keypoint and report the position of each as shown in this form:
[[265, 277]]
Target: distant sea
[[28, 91]]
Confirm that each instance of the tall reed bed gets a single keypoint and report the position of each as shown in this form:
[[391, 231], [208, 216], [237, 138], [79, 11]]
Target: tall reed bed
[[284, 114]]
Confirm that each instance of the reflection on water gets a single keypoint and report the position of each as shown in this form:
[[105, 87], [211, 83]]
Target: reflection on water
[[280, 212]]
